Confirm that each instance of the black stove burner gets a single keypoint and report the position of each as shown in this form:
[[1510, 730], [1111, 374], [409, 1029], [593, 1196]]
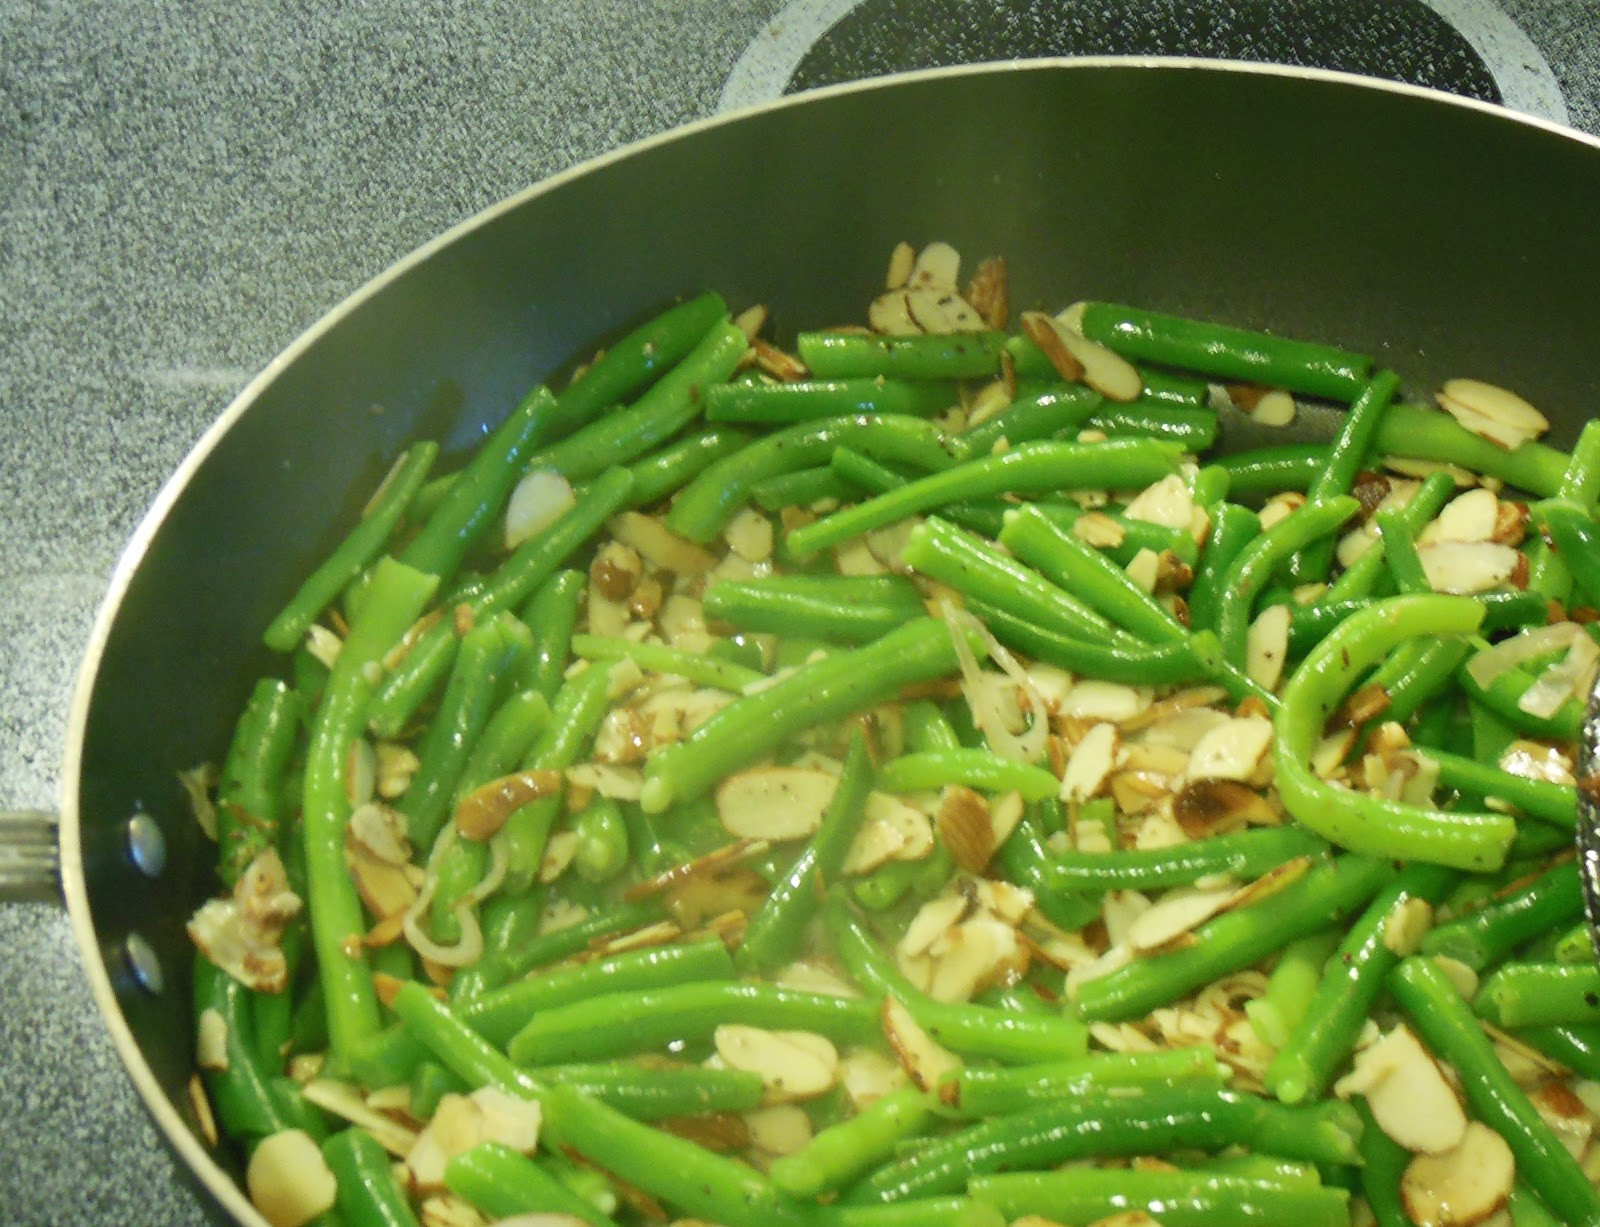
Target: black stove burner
[[1402, 40]]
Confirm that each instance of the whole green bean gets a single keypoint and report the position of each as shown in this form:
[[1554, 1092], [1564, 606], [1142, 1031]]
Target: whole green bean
[[1574, 1045], [1362, 577], [1235, 939], [836, 608], [867, 474], [1351, 980], [774, 933], [1032, 468], [708, 502], [368, 1194], [503, 1184], [251, 782], [1540, 995], [976, 768], [802, 488], [854, 355], [1246, 854], [1197, 659], [505, 739], [1359, 821], [755, 724], [1400, 555], [1415, 433], [805, 400], [1041, 414], [1443, 1021], [839, 1153], [1221, 352], [1483, 937], [365, 541], [1182, 1199], [411, 681], [1383, 1165]]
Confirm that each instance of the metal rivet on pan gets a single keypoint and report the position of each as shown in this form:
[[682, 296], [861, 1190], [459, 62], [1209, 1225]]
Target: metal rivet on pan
[[146, 845], [144, 964]]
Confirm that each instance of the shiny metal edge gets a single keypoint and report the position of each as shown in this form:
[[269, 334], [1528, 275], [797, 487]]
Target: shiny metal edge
[[74, 886]]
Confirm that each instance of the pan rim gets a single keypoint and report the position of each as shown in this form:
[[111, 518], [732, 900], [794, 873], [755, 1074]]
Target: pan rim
[[200, 1160]]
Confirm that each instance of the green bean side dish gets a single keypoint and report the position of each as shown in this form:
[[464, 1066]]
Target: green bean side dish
[[911, 779]]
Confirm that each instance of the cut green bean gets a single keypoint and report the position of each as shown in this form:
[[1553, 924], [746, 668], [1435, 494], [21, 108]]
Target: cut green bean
[[1182, 1199], [837, 608], [855, 355], [1540, 995], [503, 1184], [1362, 577], [1483, 937], [1043, 414], [1199, 658], [806, 400], [1244, 854], [369, 1195], [981, 769], [250, 787]]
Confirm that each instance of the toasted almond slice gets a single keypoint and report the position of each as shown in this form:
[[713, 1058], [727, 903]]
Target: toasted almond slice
[[901, 261], [659, 545], [1463, 568], [1274, 408], [538, 501], [344, 1100], [1091, 763], [989, 294], [1406, 925], [941, 312], [1011, 903], [890, 314], [1203, 808], [1409, 1096], [1099, 530], [1499, 415], [1043, 332], [1267, 646], [1534, 760], [1328, 757], [1460, 1186], [966, 827], [1168, 502], [814, 976], [933, 919], [204, 1117], [1280, 507], [980, 951], [1566, 1114], [1232, 751], [776, 803], [484, 810], [1176, 913], [211, 1040], [792, 1064], [1104, 370], [924, 1060], [890, 830], [780, 364], [1471, 516], [867, 1075], [608, 779], [289, 1180], [510, 1120]]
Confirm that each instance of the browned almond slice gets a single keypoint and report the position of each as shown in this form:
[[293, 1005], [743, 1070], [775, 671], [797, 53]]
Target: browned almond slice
[[792, 1064], [890, 830], [1214, 807], [931, 922], [989, 294], [925, 1061], [937, 267], [1043, 332], [1099, 530], [1460, 1186], [778, 363], [751, 320], [1279, 877], [1091, 763], [890, 314], [966, 827], [1499, 415], [1566, 1114], [484, 810], [1464, 568], [659, 545], [289, 1181], [901, 261], [1409, 1096]]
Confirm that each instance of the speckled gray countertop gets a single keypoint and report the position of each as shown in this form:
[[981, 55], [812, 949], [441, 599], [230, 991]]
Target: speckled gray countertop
[[183, 188]]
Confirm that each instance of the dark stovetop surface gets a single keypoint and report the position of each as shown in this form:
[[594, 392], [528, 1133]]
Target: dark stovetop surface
[[184, 188]]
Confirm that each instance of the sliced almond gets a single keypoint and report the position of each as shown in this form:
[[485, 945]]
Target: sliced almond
[[484, 810], [1406, 925], [1011, 903], [1275, 408], [792, 1064], [937, 267], [1409, 1096], [940, 312], [1091, 763], [1499, 415], [344, 1100], [1093, 699], [1175, 914], [289, 1180], [989, 294], [867, 1075], [1099, 530], [1267, 646], [608, 779], [1233, 751], [924, 1060], [1471, 516], [1534, 760], [211, 1040], [1464, 568], [890, 830], [966, 828], [749, 535], [814, 976], [777, 803], [659, 545], [1460, 1186], [1567, 1115], [780, 364], [1046, 334], [901, 261], [781, 1129], [933, 919], [1203, 808], [976, 953], [890, 315], [538, 501], [1168, 502], [1119, 910], [751, 320]]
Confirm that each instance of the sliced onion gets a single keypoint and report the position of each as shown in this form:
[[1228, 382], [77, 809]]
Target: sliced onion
[[1531, 644], [470, 948], [1027, 747], [1566, 679]]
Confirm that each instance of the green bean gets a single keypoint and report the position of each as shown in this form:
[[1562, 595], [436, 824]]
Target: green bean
[[854, 355], [411, 681], [1031, 468], [1232, 528], [505, 739], [1483, 937], [1031, 363], [1361, 578], [1182, 1199], [1415, 672], [629, 364], [1066, 561], [981, 769], [1346, 454], [551, 614], [1278, 1011], [867, 474], [1208, 485], [1571, 528], [575, 715], [1351, 980], [1261, 558], [1233, 354], [975, 568], [1359, 821], [1136, 535], [802, 488], [806, 400], [836, 608], [480, 490], [369, 1196], [466, 708], [602, 851], [398, 594], [378, 519], [1574, 1045], [927, 728], [240, 1090], [658, 658], [1125, 1120], [1383, 1165], [1540, 995], [501, 1183], [1545, 800], [251, 781], [650, 1094], [659, 1163], [546, 948], [1042, 414], [1443, 1021], [708, 502], [613, 1024], [1246, 854], [1503, 697], [1235, 939], [1197, 659], [1400, 555], [678, 463], [1255, 476], [1027, 863], [970, 1030], [1415, 433], [755, 724], [1548, 573], [664, 409], [1510, 610], [1193, 427], [974, 1092], [774, 933], [839, 1153]]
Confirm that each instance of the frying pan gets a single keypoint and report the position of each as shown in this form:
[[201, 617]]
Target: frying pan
[[1447, 237]]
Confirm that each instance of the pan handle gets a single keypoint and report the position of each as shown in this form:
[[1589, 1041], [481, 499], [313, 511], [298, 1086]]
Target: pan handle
[[30, 857]]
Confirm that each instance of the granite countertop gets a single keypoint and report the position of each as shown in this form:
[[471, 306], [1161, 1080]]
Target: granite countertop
[[184, 188]]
